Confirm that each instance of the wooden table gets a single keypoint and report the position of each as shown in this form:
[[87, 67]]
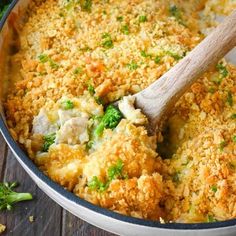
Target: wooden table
[[49, 218]]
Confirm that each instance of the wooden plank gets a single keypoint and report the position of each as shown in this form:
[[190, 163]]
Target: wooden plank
[[74, 226], [47, 213]]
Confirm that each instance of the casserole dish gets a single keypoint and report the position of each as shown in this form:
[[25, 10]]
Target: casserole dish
[[98, 216]]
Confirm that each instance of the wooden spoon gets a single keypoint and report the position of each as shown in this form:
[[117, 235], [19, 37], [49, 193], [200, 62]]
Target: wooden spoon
[[158, 100]]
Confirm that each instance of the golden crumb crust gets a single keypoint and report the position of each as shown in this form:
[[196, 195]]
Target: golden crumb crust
[[75, 58]]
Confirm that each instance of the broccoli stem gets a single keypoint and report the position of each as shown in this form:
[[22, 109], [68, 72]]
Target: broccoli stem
[[18, 197]]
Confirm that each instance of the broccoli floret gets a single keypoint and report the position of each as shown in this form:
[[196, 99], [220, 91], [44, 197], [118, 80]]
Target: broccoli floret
[[48, 141], [8, 197], [110, 120]]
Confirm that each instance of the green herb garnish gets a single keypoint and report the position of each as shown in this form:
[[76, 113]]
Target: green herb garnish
[[211, 90], [210, 218], [120, 18], [174, 55], [230, 98], [176, 13], [217, 79], [85, 49], [176, 177], [77, 71], [222, 70], [234, 138], [142, 19], [96, 184], [107, 41], [89, 144], [222, 145], [233, 116], [8, 197], [91, 89], [48, 141], [99, 100], [133, 65], [43, 58], [214, 188], [114, 172], [157, 59], [86, 5], [67, 105], [144, 54], [125, 29]]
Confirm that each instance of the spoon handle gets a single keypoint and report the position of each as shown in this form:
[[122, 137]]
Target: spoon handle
[[159, 98]]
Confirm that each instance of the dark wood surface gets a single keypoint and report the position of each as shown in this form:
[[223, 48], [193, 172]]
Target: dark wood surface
[[49, 218]]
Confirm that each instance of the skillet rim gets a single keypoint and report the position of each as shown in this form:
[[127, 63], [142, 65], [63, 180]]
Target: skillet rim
[[77, 200]]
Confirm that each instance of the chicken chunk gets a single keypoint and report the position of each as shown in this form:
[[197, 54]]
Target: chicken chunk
[[126, 106], [42, 124], [74, 131]]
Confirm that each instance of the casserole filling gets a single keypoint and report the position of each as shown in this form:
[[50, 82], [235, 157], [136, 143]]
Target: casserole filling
[[76, 58]]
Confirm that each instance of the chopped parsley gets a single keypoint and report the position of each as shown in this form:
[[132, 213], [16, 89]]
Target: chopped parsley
[[99, 100], [234, 138], [211, 90], [222, 70], [157, 59], [115, 171], [214, 188], [96, 184], [48, 141], [174, 55], [231, 166], [85, 49], [142, 19], [120, 18], [133, 65], [91, 89], [144, 54], [230, 98], [125, 29], [86, 5], [89, 144], [176, 177], [110, 120], [222, 145], [210, 218], [176, 13], [233, 116], [77, 71], [53, 64], [216, 79], [43, 58], [67, 105], [107, 41]]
